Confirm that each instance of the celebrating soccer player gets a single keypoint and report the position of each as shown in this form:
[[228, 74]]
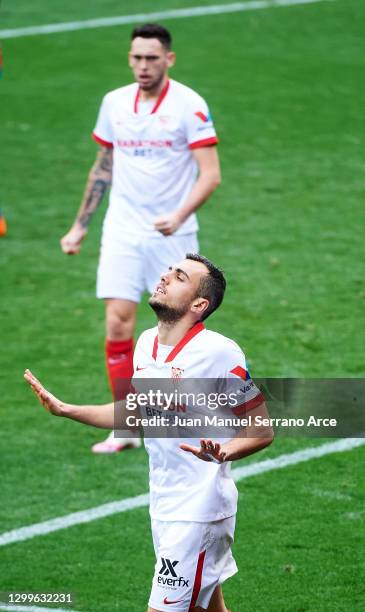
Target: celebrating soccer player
[[193, 499]]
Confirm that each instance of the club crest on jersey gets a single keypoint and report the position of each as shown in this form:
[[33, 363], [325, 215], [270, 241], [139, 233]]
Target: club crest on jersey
[[203, 117], [164, 119], [176, 373]]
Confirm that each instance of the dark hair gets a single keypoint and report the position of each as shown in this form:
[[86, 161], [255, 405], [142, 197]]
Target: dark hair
[[212, 286], [153, 30]]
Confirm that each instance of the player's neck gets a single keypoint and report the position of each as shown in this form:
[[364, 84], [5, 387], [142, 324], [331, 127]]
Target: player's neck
[[145, 95], [172, 333]]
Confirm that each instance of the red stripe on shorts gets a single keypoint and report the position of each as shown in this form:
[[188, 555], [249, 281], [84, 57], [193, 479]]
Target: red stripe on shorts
[[197, 581]]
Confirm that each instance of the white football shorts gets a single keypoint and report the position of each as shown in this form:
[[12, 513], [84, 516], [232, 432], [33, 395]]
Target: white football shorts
[[135, 265], [191, 560]]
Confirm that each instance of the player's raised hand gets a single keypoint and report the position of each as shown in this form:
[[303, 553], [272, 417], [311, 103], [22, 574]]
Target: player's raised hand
[[49, 401], [168, 224], [71, 242], [208, 451]]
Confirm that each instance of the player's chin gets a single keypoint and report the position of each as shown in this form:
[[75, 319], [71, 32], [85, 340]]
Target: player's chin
[[146, 84]]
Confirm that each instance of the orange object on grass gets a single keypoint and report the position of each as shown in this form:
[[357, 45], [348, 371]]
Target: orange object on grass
[[3, 226]]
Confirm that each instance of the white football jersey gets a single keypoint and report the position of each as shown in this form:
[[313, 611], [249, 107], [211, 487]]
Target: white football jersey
[[183, 487], [153, 167]]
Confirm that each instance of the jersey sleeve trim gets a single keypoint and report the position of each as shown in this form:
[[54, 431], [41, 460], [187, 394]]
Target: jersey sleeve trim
[[207, 142], [247, 406], [102, 142]]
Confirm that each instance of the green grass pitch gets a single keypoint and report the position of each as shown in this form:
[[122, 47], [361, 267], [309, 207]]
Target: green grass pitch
[[286, 90]]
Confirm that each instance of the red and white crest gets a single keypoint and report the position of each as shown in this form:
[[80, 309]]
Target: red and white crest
[[176, 373]]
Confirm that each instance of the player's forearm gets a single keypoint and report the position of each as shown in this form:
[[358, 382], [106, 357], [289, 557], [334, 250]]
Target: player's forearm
[[94, 192], [206, 183], [105, 416], [102, 415], [239, 447], [99, 180]]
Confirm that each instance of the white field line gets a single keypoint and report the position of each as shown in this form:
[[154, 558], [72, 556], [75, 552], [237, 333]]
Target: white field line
[[86, 516], [282, 461], [75, 518], [16, 608], [194, 11]]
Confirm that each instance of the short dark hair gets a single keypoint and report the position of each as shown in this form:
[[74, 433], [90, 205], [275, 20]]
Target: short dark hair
[[153, 30], [212, 286]]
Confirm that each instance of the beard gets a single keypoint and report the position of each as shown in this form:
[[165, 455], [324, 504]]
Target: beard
[[167, 314]]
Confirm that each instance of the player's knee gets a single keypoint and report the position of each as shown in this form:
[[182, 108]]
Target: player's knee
[[119, 322], [119, 328]]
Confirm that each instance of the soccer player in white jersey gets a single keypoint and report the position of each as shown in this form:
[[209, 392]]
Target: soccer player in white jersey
[[158, 152], [193, 498]]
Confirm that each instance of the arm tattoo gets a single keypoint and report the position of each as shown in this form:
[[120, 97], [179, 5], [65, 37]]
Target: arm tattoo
[[100, 179], [92, 201], [105, 162]]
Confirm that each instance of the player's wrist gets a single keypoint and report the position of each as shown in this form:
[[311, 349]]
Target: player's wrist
[[67, 411], [180, 216], [225, 453], [79, 227]]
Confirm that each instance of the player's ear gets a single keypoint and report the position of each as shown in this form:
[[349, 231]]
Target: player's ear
[[200, 305], [171, 59], [129, 59]]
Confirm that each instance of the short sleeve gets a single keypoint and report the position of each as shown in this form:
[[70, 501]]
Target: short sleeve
[[199, 124], [102, 133], [239, 387]]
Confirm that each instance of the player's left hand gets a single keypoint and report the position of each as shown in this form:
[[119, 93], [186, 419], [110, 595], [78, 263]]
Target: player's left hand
[[49, 401], [168, 224], [208, 451]]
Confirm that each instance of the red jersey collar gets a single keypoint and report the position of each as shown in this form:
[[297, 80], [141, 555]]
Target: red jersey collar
[[158, 101], [193, 331]]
